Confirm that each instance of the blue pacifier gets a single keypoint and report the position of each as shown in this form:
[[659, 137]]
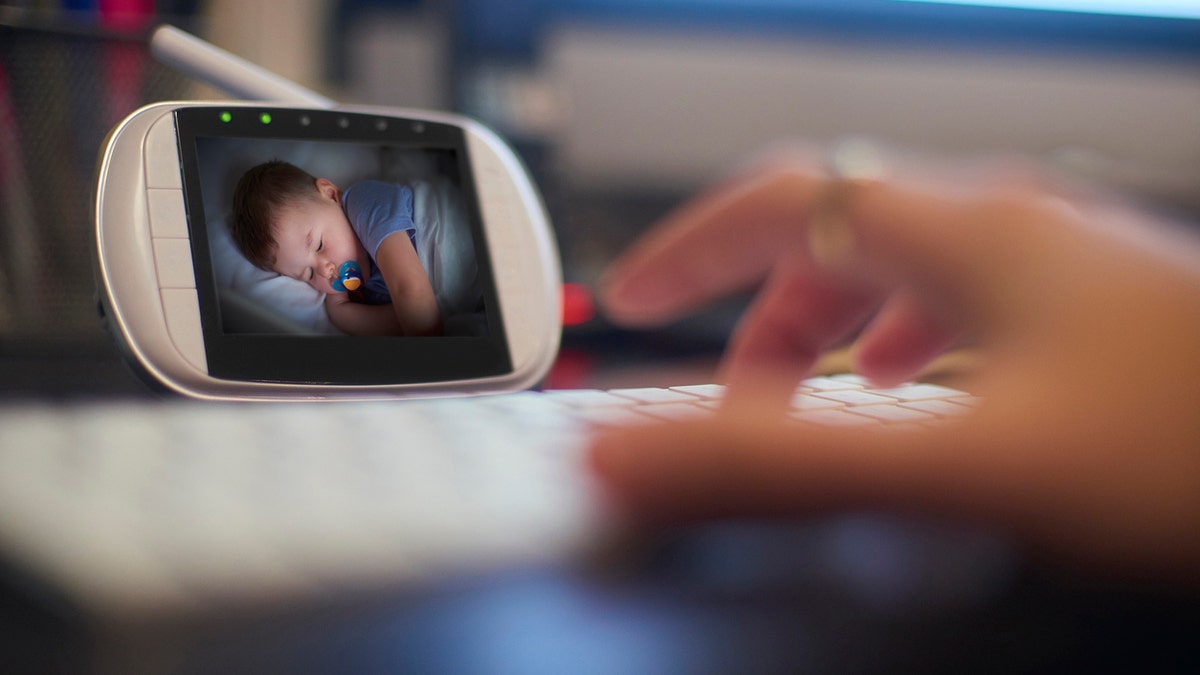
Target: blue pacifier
[[349, 277]]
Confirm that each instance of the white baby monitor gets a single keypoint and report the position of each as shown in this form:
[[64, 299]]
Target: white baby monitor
[[195, 316]]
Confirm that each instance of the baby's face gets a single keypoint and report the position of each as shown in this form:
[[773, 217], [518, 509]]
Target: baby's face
[[313, 239]]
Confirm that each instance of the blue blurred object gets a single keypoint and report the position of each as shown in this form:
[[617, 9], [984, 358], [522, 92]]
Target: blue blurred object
[[1157, 25], [1177, 9]]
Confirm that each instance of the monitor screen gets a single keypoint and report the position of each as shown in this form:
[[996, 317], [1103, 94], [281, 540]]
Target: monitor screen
[[320, 307]]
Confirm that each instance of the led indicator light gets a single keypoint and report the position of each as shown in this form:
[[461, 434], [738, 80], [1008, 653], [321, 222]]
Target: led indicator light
[[226, 116], [265, 118]]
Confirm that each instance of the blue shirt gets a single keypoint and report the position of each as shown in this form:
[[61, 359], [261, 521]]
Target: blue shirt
[[376, 210]]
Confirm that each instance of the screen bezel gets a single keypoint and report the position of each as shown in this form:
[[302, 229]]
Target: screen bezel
[[334, 360]]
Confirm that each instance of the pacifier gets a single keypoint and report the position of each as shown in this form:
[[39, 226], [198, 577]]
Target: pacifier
[[349, 277]]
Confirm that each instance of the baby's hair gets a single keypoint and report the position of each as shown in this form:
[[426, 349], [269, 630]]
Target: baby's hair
[[260, 193]]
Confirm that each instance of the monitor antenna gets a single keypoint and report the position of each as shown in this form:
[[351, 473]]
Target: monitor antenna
[[233, 74]]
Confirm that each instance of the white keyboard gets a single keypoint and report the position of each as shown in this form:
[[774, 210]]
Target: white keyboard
[[144, 509]]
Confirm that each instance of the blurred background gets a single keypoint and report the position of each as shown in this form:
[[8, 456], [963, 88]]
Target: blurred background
[[621, 108]]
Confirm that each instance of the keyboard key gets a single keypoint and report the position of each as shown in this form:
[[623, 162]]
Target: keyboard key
[[708, 391], [610, 416], [854, 397], [654, 395], [851, 378], [580, 398], [675, 412], [829, 384], [810, 402], [834, 418], [939, 407], [918, 392], [891, 413]]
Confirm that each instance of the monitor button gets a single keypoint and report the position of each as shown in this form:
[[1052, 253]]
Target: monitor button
[[167, 215], [173, 262], [162, 155], [182, 311]]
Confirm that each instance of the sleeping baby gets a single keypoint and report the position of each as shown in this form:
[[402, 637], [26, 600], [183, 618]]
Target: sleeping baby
[[287, 221]]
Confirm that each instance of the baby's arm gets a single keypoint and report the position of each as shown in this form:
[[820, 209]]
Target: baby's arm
[[355, 318], [413, 301]]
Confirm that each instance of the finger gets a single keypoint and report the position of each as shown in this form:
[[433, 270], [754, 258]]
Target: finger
[[797, 316], [743, 464], [956, 243], [719, 244], [957, 251], [901, 341]]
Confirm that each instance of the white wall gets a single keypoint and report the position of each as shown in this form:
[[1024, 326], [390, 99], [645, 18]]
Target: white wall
[[672, 109]]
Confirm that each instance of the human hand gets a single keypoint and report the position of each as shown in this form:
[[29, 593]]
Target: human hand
[[1087, 443]]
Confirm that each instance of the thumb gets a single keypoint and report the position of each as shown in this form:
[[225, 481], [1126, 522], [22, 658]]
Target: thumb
[[972, 470], [741, 464]]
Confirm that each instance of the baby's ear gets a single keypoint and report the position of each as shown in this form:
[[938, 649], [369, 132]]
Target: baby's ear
[[327, 189]]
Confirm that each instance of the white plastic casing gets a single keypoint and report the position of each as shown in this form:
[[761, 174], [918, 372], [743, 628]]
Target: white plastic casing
[[148, 288]]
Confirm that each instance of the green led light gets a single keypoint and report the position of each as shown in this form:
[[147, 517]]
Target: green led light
[[265, 118], [226, 116]]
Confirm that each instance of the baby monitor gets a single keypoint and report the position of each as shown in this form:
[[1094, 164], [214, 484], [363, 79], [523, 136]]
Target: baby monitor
[[195, 316]]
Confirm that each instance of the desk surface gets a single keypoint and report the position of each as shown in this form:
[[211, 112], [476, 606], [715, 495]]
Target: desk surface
[[727, 599]]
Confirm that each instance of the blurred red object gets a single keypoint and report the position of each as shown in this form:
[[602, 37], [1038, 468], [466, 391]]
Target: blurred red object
[[578, 307]]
